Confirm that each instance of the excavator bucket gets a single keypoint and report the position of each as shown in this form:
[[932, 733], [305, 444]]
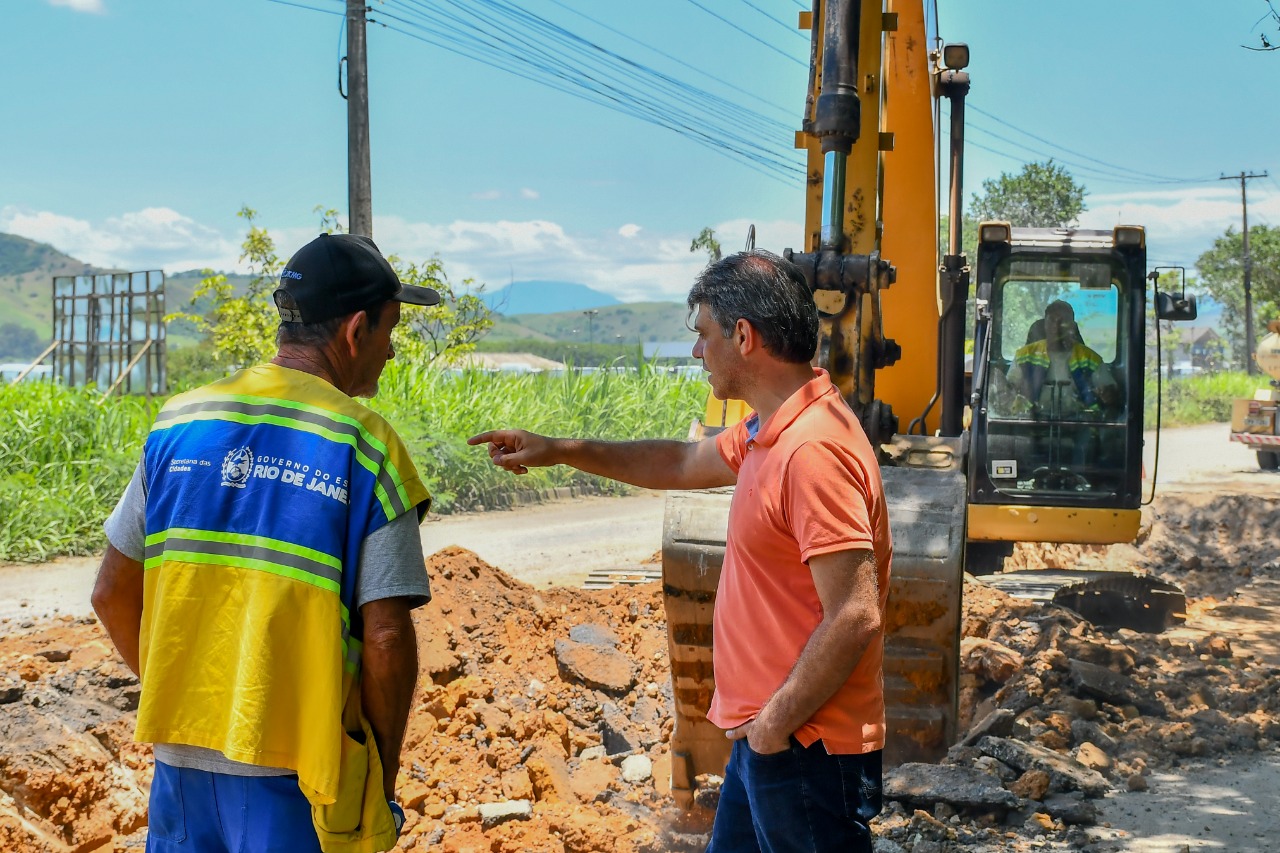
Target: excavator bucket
[[926, 515]]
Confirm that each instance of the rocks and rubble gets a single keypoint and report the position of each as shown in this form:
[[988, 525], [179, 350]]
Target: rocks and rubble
[[544, 717]]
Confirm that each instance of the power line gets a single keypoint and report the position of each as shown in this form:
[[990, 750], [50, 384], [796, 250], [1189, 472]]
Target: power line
[[1111, 172], [1161, 178], [778, 21], [1120, 177], [539, 50], [675, 59], [749, 34], [308, 8]]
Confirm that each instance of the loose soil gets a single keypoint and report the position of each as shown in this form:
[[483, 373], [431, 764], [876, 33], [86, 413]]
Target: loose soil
[[560, 697]]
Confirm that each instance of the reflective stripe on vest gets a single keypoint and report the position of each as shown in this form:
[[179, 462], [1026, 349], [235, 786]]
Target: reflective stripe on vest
[[255, 553], [244, 409]]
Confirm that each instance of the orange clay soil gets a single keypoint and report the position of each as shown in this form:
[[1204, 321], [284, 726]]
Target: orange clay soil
[[560, 698]]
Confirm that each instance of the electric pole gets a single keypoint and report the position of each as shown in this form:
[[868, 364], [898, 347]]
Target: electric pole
[[1249, 364], [359, 183], [591, 315]]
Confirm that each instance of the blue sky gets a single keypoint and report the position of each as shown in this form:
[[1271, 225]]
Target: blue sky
[[142, 126]]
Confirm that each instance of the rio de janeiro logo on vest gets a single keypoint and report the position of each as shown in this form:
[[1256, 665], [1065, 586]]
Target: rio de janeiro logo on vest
[[236, 467]]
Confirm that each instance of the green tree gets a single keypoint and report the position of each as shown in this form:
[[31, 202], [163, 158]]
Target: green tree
[[1042, 195], [19, 342], [446, 332], [706, 241], [1221, 275], [241, 326]]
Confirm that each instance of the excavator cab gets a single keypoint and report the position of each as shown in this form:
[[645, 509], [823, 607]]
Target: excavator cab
[[1059, 356]]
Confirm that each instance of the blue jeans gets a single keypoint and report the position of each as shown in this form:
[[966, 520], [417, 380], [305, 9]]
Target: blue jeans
[[200, 812], [801, 800]]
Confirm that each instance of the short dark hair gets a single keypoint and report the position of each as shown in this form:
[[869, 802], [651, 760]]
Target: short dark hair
[[768, 292], [315, 334]]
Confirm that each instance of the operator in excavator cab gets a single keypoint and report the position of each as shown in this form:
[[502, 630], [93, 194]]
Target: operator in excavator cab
[[1059, 375]]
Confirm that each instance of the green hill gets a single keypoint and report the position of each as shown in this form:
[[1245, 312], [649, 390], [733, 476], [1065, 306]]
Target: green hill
[[627, 323], [27, 269]]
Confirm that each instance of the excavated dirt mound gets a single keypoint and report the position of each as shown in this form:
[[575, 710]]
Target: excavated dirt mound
[[553, 703], [543, 718]]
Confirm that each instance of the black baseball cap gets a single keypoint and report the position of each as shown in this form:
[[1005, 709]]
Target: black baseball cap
[[339, 274]]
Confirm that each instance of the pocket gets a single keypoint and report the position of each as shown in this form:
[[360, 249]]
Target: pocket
[[344, 814], [166, 819], [768, 757]]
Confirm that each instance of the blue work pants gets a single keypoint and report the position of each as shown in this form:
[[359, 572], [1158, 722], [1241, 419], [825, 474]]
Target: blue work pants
[[194, 811]]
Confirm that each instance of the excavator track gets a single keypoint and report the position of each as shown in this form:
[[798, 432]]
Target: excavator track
[[926, 516]]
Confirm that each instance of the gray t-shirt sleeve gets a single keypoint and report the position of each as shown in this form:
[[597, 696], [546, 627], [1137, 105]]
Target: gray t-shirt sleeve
[[391, 564], [126, 527]]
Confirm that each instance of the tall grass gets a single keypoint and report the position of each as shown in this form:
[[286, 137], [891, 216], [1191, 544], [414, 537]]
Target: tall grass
[[1201, 399], [66, 456], [436, 412]]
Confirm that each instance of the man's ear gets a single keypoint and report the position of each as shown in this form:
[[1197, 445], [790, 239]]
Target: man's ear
[[745, 337], [355, 331]]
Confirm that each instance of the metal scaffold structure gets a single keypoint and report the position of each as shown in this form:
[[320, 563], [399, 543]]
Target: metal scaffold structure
[[109, 331]]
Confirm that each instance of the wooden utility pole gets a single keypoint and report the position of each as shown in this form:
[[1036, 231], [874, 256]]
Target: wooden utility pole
[[1249, 346], [359, 183]]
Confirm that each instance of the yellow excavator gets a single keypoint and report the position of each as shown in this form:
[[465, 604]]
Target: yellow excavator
[[1002, 451]]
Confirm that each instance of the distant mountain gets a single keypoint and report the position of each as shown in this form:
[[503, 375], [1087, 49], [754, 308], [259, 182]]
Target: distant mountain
[[546, 297], [27, 269], [623, 323]]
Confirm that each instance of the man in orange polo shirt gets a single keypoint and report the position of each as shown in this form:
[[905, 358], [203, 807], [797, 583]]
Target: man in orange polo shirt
[[799, 615]]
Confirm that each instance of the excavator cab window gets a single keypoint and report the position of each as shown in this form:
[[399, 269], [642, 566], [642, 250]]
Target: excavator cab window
[[1054, 423]]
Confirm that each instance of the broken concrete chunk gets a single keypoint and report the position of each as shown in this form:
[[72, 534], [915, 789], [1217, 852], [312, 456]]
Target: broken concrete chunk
[[600, 667], [962, 787], [1084, 730], [996, 768], [1071, 808], [1109, 686], [989, 659], [1065, 773], [999, 723], [617, 732], [594, 634], [636, 769], [492, 814]]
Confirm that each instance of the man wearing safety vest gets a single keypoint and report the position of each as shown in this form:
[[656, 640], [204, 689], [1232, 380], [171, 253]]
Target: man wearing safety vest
[[263, 563]]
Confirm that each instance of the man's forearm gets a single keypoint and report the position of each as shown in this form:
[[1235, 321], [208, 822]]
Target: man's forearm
[[389, 677], [828, 659], [650, 464], [117, 600]]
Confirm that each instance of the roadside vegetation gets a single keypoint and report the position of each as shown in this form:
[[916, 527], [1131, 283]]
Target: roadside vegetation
[[66, 454], [1201, 399]]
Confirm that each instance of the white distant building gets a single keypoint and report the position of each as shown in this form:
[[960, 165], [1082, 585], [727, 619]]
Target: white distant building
[[668, 349], [10, 371]]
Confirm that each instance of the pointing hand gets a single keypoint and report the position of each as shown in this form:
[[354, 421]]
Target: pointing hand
[[515, 450]]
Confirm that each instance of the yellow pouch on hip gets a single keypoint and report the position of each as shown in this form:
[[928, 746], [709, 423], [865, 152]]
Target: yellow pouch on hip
[[359, 820]]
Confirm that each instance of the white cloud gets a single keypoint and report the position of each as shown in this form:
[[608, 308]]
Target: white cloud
[[95, 7], [632, 262], [145, 239], [487, 195], [1181, 224], [529, 194]]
